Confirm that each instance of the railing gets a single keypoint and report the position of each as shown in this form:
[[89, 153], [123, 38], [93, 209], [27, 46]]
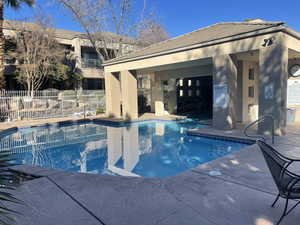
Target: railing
[[262, 119], [19, 105], [90, 63]]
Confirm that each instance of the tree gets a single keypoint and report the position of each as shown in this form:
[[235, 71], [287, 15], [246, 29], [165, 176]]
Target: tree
[[110, 25], [14, 4], [38, 55], [153, 32], [67, 75]]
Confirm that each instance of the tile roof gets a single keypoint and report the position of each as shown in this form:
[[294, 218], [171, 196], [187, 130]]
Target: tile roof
[[59, 33], [68, 34], [212, 33]]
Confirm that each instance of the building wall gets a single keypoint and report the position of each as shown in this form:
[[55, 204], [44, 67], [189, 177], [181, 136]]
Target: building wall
[[250, 91], [295, 107], [78, 45], [239, 116]]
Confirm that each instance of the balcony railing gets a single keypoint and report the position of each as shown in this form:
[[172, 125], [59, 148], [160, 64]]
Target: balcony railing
[[90, 63]]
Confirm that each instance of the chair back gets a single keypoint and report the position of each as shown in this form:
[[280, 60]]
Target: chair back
[[277, 164]]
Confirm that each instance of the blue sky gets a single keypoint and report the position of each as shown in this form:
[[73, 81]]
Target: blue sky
[[180, 17]]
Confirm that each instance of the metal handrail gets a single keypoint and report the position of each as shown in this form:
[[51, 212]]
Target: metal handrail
[[261, 119]]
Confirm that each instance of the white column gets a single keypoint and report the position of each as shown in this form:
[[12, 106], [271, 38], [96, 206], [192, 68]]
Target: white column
[[129, 95], [112, 95], [77, 51], [157, 98]]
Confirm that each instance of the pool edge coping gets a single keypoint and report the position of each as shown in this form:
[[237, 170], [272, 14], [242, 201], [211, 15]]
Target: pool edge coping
[[39, 172], [227, 137]]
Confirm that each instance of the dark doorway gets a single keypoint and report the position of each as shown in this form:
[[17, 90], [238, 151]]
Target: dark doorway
[[195, 97]]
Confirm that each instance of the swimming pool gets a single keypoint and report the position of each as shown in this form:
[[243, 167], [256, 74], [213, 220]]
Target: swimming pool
[[148, 148]]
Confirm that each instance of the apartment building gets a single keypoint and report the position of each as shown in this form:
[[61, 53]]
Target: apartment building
[[87, 60]]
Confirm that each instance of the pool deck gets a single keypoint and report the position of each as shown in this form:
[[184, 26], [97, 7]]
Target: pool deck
[[240, 194]]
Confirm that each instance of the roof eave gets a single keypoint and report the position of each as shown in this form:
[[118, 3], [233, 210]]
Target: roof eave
[[291, 32], [206, 44]]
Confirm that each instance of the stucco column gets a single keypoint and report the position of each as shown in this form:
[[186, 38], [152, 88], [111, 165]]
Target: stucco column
[[129, 95], [172, 96], [225, 92], [112, 95], [273, 68], [77, 51], [157, 96]]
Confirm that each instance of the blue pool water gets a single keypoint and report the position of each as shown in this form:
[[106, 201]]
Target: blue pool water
[[148, 149]]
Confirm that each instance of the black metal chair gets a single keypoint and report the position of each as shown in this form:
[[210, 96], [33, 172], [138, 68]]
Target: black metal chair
[[287, 182]]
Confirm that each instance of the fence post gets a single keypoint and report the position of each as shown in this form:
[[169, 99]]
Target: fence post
[[84, 110], [61, 105]]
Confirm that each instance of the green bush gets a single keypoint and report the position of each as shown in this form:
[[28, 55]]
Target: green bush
[[99, 111]]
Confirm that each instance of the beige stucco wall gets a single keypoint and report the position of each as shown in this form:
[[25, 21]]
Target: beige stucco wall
[[92, 73], [291, 42], [296, 107], [129, 95], [250, 104], [273, 76], [205, 70], [77, 43], [225, 75], [113, 95]]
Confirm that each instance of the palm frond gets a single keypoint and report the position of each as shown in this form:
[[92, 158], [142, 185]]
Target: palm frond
[[8, 184]]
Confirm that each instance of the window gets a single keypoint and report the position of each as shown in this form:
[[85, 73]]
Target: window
[[90, 60], [197, 92], [197, 83], [181, 93], [190, 93], [180, 82], [251, 92], [251, 74], [190, 83]]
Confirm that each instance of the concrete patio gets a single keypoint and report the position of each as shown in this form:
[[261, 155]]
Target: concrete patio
[[240, 195]]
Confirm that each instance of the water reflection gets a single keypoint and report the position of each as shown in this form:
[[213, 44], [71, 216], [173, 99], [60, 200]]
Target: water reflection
[[150, 149]]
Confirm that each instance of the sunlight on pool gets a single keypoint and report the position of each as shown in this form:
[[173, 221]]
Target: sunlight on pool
[[148, 149]]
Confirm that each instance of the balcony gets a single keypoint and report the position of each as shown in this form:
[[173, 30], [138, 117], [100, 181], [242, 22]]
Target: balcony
[[90, 63]]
